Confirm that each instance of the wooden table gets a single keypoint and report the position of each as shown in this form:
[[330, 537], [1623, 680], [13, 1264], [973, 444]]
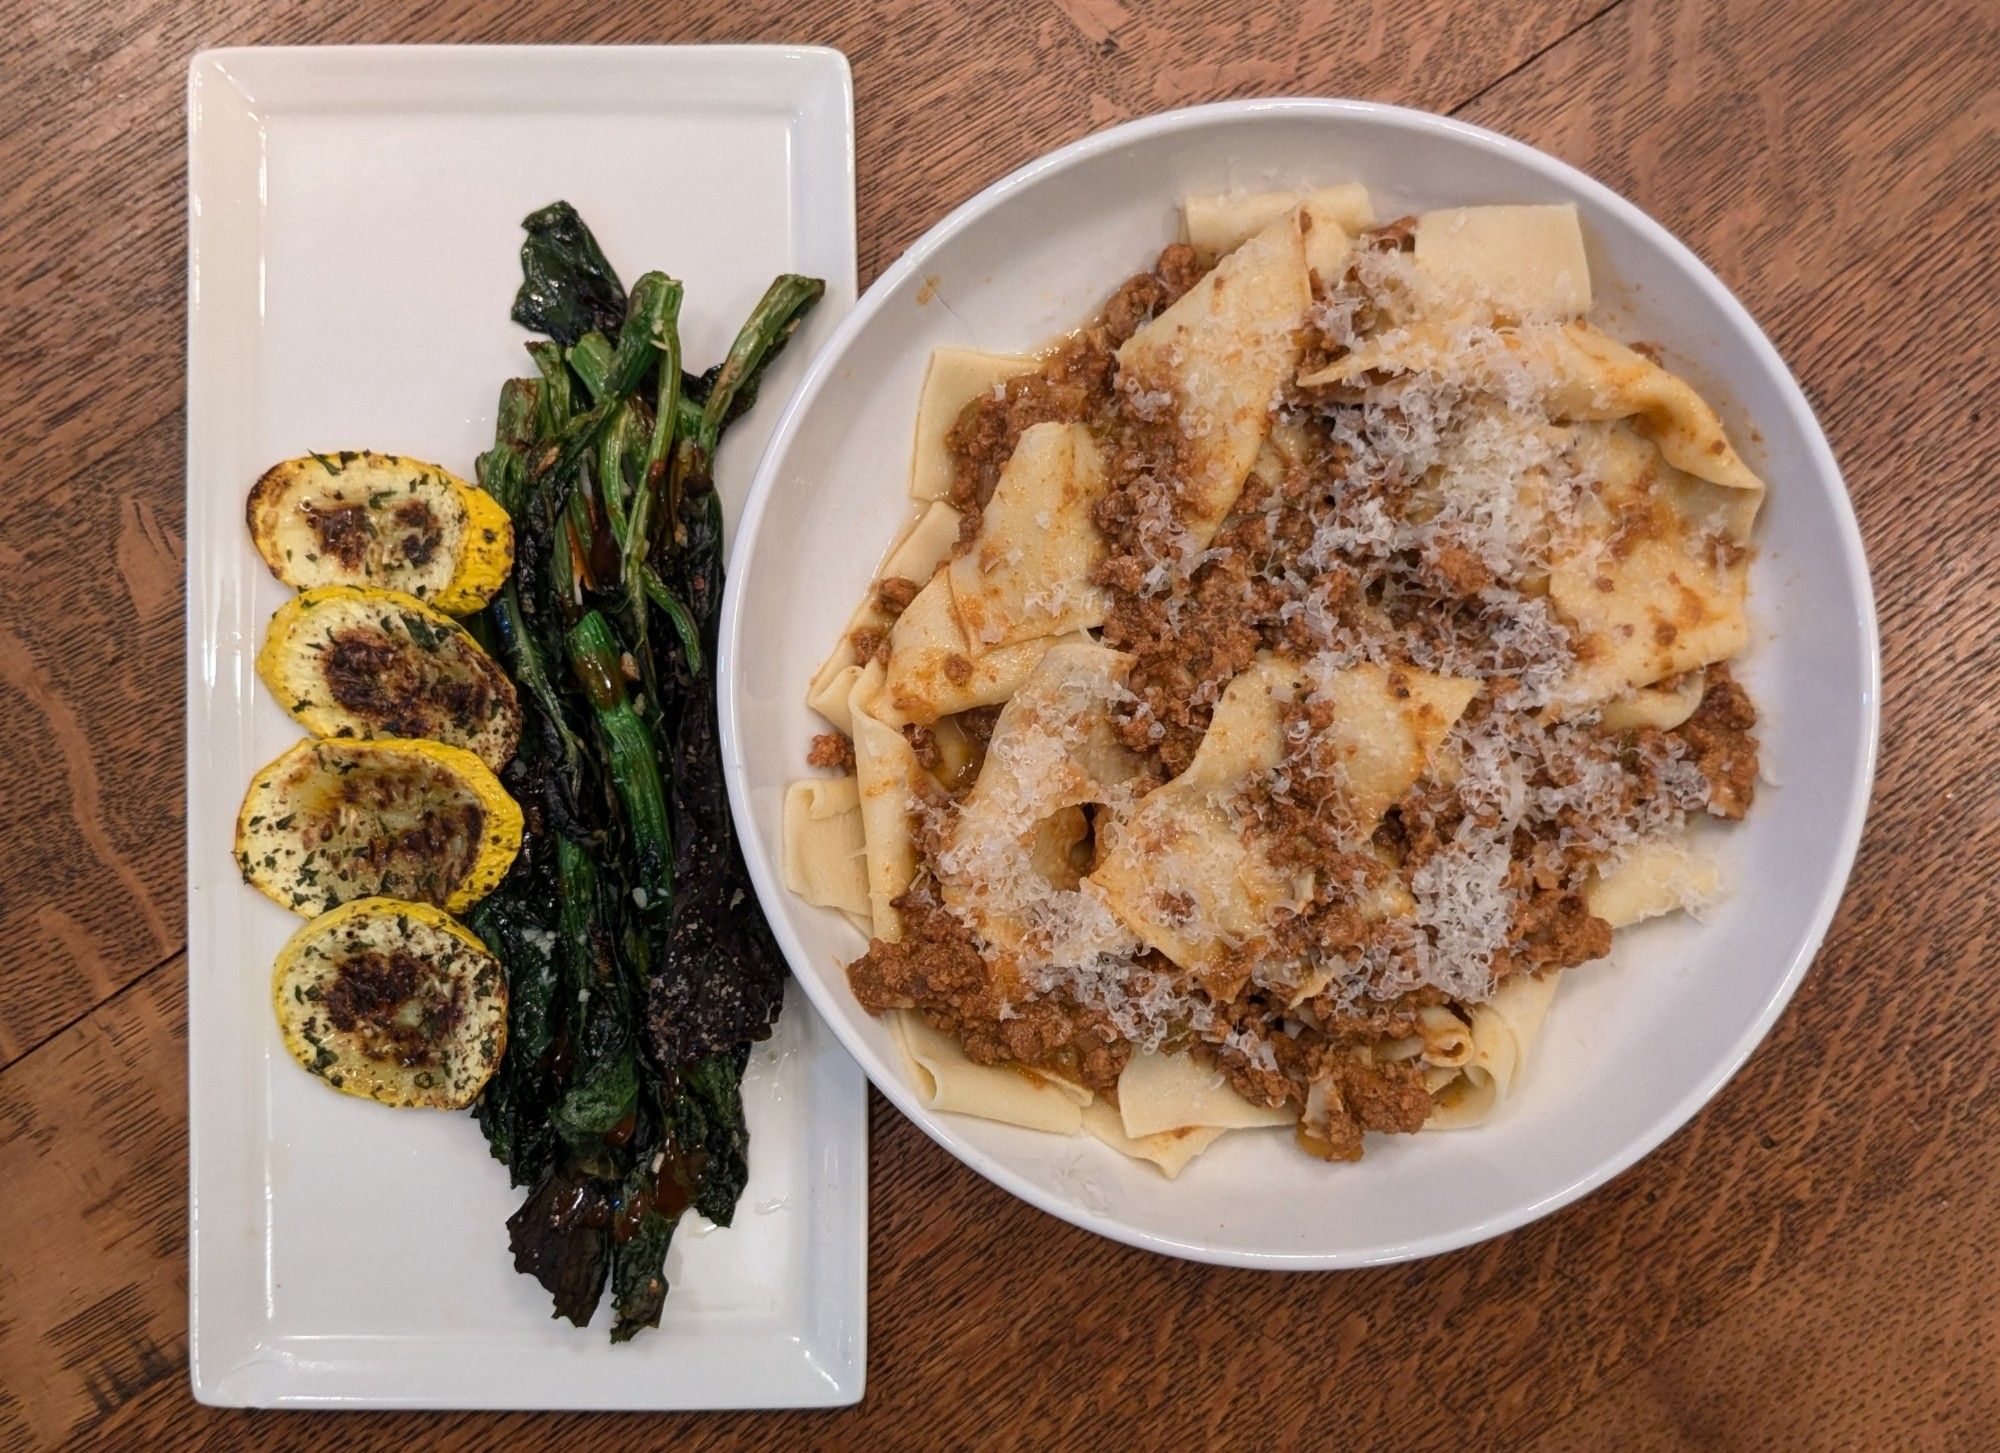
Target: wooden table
[[1812, 1262]]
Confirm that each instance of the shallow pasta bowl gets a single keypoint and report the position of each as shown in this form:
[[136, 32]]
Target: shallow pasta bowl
[[1633, 1046]]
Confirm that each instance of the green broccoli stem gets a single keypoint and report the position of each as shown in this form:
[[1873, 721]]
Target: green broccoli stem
[[762, 337], [555, 400], [590, 356], [576, 910], [683, 622], [633, 756], [503, 473], [666, 337], [520, 405], [611, 485]]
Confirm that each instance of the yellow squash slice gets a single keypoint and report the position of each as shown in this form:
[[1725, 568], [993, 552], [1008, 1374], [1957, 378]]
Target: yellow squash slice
[[348, 661], [332, 821], [383, 520], [393, 1001]]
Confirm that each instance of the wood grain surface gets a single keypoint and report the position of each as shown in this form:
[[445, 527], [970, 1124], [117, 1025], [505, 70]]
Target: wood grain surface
[[1811, 1263]]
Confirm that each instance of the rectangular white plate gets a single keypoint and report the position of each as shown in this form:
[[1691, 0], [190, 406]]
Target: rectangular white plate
[[354, 232]]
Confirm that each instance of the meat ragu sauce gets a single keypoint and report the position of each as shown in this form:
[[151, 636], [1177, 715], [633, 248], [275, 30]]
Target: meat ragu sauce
[[1187, 642], [1075, 385]]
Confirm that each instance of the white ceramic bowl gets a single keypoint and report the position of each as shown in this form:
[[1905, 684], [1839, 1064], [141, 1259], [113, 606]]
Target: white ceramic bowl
[[1633, 1046]]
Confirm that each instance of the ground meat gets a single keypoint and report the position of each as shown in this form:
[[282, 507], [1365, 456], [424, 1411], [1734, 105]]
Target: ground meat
[[1178, 675], [893, 594], [1373, 1022], [1552, 929], [1053, 1035], [937, 970], [977, 724], [1360, 1096], [1724, 552], [934, 966], [1146, 295], [1072, 386], [923, 745], [833, 750], [1417, 828], [869, 643], [1301, 808], [1718, 740], [1257, 1082], [1455, 572], [1189, 634], [1397, 236]]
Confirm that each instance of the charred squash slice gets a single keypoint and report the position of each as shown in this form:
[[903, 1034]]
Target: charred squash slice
[[382, 520], [333, 821], [347, 661], [394, 1002]]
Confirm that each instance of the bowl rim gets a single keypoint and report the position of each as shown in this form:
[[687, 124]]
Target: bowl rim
[[770, 887]]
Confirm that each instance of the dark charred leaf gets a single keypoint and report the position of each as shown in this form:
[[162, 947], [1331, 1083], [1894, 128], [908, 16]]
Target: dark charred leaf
[[526, 948], [708, 1113], [496, 1114], [719, 978], [567, 285], [639, 1277], [641, 1232], [514, 1110], [639, 966], [561, 1237], [599, 1101]]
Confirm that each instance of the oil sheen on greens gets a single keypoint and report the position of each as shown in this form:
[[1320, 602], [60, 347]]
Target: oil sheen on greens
[[640, 967]]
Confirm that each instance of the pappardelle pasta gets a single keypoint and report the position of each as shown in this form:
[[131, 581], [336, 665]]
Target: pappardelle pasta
[[1281, 681]]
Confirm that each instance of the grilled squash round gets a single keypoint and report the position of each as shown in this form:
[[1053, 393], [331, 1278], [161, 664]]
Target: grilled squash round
[[336, 820], [383, 520], [350, 661], [394, 1002]]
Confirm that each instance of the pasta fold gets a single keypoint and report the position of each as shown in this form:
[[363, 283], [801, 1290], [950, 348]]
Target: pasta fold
[[1659, 876], [1503, 1030], [1222, 222], [1217, 359], [1516, 262], [886, 776], [953, 379], [1662, 707], [1190, 877], [916, 555], [1645, 588], [946, 1080], [1163, 1092], [1168, 1152], [1007, 862], [932, 671], [826, 847], [1028, 573]]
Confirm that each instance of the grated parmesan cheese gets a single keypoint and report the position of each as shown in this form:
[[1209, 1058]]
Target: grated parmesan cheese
[[1424, 493]]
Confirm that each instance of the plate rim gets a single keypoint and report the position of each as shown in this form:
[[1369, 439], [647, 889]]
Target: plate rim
[[769, 882], [817, 1361]]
